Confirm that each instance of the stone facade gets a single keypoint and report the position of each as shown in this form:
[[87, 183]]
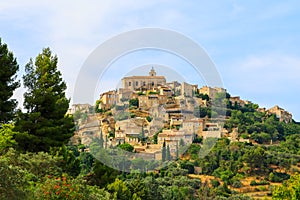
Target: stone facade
[[143, 82], [281, 114], [108, 99], [211, 92], [83, 108], [194, 126], [172, 139], [188, 90]]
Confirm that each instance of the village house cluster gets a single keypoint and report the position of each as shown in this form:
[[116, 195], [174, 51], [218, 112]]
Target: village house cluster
[[148, 112]]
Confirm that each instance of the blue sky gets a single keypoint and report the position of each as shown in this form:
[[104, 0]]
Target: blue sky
[[254, 44]]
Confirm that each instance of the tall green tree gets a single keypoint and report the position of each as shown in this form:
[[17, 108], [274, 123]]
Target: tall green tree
[[164, 152], [168, 153], [8, 83], [45, 124]]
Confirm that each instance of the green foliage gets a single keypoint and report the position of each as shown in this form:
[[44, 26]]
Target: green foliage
[[255, 158], [45, 120], [6, 137], [164, 152], [261, 137], [97, 109], [290, 190], [8, 83], [152, 92], [262, 182], [278, 177], [237, 184], [119, 190], [194, 151], [134, 102], [65, 187], [155, 136], [14, 181], [189, 166], [101, 175], [149, 119], [204, 96], [168, 153], [215, 183], [126, 147]]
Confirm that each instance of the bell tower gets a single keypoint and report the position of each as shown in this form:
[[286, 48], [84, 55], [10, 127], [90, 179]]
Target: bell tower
[[152, 72]]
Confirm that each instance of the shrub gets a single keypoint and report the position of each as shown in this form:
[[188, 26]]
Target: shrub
[[237, 184]]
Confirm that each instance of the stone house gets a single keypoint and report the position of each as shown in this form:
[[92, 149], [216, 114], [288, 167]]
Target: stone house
[[172, 139], [108, 99], [211, 92], [281, 114], [194, 126]]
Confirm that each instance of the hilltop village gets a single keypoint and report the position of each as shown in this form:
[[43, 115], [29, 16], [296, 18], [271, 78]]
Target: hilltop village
[[148, 113]]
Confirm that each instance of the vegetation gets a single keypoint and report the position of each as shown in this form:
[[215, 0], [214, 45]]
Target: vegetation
[[8, 83], [37, 162], [45, 123]]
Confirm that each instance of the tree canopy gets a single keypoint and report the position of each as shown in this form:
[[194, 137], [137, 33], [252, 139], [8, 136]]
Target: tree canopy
[[8, 83], [45, 124]]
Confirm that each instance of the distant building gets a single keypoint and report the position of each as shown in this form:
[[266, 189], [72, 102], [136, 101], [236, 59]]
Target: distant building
[[143, 82], [281, 114], [194, 126], [172, 138], [108, 99], [238, 100], [188, 90], [211, 92], [83, 108], [167, 91], [212, 130], [124, 94]]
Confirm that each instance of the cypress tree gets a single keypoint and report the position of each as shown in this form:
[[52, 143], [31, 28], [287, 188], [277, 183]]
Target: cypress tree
[[168, 153], [163, 151]]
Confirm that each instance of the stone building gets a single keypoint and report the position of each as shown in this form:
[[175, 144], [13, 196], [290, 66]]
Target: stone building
[[211, 92], [172, 139], [108, 99], [151, 100], [212, 129], [239, 101], [281, 114], [194, 125], [83, 108], [143, 82], [188, 90]]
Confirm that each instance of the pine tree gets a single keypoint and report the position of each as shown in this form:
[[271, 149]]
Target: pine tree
[[8, 83], [45, 123]]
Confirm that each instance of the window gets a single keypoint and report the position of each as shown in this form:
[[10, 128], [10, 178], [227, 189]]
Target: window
[[144, 83], [137, 83], [129, 83]]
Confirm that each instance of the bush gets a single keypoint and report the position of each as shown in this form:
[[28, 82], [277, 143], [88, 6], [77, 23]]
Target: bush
[[67, 188], [215, 183], [278, 177], [237, 184], [149, 119], [262, 182]]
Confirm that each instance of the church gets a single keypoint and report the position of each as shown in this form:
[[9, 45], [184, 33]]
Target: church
[[143, 82]]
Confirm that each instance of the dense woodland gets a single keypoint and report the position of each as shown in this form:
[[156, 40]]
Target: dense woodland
[[38, 162]]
